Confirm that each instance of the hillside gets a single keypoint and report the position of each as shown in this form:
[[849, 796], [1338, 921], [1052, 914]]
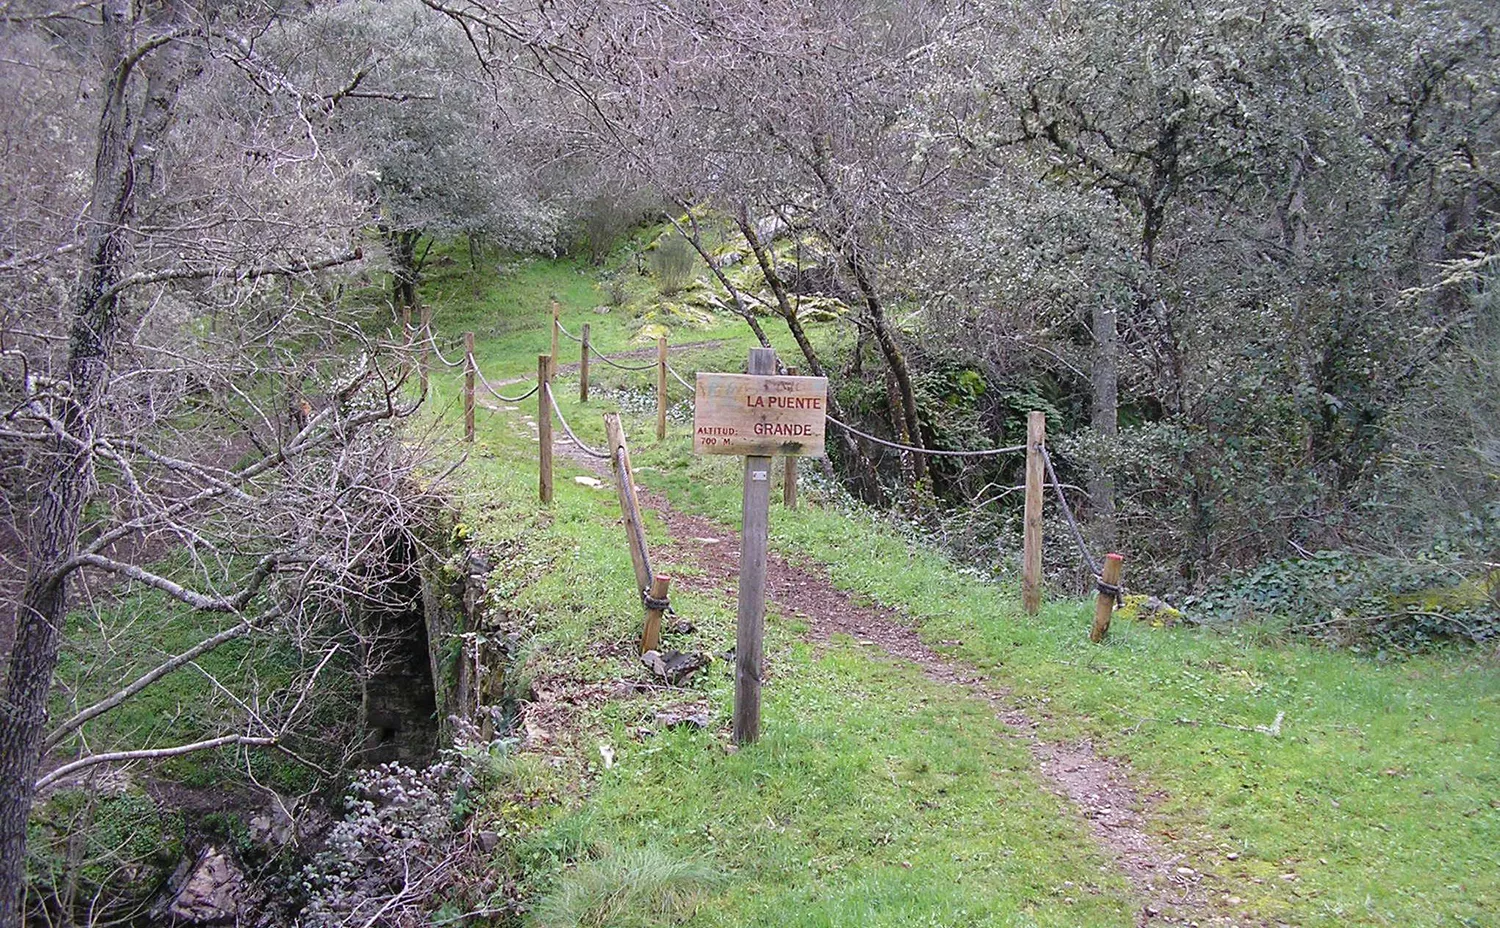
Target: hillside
[[931, 755]]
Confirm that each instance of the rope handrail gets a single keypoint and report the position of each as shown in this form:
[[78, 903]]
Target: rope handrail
[[624, 367], [439, 352], [1068, 512], [566, 428], [496, 393], [1009, 449], [674, 373], [564, 330]]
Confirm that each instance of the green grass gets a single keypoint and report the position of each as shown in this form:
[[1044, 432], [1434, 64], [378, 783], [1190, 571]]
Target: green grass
[[1375, 805]]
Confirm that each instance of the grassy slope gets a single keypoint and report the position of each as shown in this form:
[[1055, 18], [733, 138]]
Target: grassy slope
[[1376, 805]]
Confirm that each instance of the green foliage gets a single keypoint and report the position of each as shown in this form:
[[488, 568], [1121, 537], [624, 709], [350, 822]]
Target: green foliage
[[102, 850], [1398, 603]]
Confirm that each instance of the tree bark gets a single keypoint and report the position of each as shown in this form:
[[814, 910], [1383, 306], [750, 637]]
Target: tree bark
[[123, 135], [894, 359], [696, 240], [402, 245], [778, 290], [853, 446], [849, 253], [1105, 417]]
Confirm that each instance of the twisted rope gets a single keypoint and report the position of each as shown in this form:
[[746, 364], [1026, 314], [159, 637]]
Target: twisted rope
[[439, 352], [1009, 449], [564, 330], [680, 380], [496, 393], [575, 439], [623, 367], [1073, 525]]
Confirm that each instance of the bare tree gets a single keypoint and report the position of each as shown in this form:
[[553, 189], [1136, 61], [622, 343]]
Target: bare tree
[[179, 377]]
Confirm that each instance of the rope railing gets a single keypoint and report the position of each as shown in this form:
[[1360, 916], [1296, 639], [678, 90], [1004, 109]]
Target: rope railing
[[439, 352], [674, 373], [1073, 524], [564, 330], [624, 367], [985, 452], [496, 393], [552, 400]]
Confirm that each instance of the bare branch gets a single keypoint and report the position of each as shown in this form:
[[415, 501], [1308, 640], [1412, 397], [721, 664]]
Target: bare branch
[[116, 757]]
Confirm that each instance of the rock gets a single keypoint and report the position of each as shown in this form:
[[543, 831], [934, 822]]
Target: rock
[[728, 259], [273, 829], [769, 228], [488, 841], [650, 332], [601, 310], [593, 482], [1149, 609], [211, 892], [693, 716], [684, 627], [674, 666]]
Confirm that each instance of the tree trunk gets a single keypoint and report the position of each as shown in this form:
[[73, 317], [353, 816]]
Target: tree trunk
[[894, 359], [778, 290], [94, 335], [402, 245], [696, 240], [874, 310], [853, 446], [1105, 417]]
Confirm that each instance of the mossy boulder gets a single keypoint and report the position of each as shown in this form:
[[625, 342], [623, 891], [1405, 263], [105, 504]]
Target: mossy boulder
[[651, 331], [1148, 609]]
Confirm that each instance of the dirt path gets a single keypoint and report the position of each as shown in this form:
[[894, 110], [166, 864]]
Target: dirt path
[[1099, 788]]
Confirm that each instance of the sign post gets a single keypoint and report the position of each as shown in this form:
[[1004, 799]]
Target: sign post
[[757, 415]]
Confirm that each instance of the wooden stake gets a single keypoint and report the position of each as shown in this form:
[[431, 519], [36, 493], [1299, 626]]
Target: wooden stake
[[1031, 548], [544, 426], [469, 367], [630, 507], [583, 368], [425, 363], [1104, 606], [661, 387], [750, 627], [789, 476], [555, 329], [651, 637]]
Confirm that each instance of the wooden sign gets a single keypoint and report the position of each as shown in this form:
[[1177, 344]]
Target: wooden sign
[[759, 415]]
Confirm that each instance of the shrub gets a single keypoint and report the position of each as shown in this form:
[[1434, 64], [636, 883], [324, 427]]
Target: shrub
[[672, 263]]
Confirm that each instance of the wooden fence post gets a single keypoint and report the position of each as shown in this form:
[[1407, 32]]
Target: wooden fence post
[[583, 368], [1031, 553], [651, 637], [661, 387], [555, 327], [789, 476], [470, 365], [544, 426], [750, 623], [424, 363], [630, 508], [1104, 605]]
